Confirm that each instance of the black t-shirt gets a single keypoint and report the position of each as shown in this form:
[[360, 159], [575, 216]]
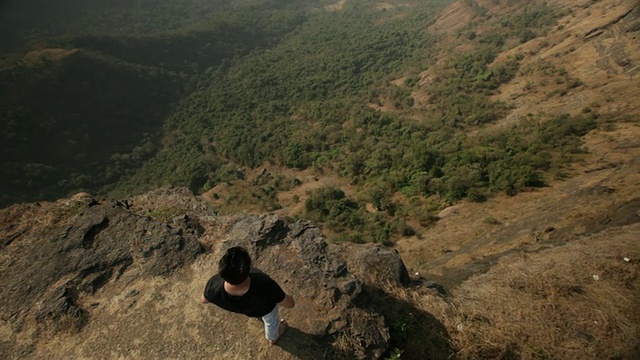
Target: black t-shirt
[[263, 295]]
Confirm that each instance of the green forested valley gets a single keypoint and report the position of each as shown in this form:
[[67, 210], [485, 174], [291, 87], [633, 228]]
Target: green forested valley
[[127, 96]]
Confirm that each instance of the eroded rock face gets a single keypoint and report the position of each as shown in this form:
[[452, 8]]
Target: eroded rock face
[[299, 254], [85, 246]]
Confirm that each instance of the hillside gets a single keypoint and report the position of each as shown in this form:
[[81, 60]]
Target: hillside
[[511, 125], [552, 274], [60, 126], [431, 179], [592, 46], [82, 108]]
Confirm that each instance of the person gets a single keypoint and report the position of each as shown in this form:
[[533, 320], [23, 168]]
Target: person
[[239, 288]]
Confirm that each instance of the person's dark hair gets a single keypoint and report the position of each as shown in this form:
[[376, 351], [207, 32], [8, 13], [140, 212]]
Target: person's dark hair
[[234, 266]]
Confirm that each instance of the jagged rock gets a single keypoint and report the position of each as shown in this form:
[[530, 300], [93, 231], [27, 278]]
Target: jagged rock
[[186, 223], [257, 233], [317, 271], [376, 264], [60, 309], [89, 245]]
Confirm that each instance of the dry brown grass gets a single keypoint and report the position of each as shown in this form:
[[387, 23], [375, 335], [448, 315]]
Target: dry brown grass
[[20, 218], [548, 305], [39, 57]]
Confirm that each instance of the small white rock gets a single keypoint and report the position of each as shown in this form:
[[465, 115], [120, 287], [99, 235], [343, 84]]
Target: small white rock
[[626, 259], [596, 277], [417, 273]]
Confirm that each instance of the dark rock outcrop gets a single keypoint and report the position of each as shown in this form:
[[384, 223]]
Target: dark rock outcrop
[[376, 263], [316, 271], [87, 245]]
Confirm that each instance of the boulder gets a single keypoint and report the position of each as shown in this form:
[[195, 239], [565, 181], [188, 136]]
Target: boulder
[[376, 263], [300, 258]]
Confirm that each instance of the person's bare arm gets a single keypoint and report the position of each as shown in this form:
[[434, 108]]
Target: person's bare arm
[[288, 301], [204, 300]]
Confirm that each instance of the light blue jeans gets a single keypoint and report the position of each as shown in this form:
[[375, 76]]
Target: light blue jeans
[[271, 324]]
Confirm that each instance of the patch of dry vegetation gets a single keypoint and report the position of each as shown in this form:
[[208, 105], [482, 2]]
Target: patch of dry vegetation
[[578, 301], [335, 6]]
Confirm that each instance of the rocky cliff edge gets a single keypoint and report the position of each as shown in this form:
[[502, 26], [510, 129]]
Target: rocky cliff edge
[[88, 279]]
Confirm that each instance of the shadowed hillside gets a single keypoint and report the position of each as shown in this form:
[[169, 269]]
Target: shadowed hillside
[[73, 119], [88, 102]]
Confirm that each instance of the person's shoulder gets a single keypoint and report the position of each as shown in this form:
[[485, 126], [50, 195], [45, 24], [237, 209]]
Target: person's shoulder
[[264, 284], [215, 281], [213, 291], [258, 275], [216, 277]]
